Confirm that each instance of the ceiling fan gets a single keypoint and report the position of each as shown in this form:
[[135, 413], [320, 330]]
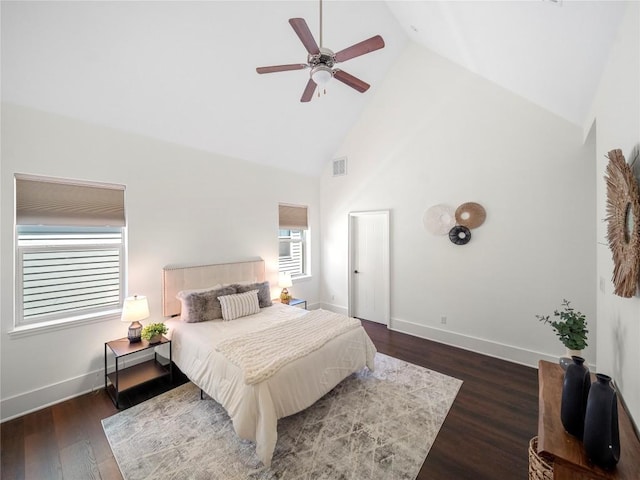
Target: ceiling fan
[[321, 60]]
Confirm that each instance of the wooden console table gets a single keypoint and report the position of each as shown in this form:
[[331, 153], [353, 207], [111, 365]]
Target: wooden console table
[[571, 462]]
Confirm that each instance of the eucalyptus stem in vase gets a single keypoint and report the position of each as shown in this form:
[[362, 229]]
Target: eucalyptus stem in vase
[[571, 328]]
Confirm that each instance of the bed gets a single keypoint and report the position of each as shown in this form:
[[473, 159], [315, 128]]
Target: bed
[[283, 382]]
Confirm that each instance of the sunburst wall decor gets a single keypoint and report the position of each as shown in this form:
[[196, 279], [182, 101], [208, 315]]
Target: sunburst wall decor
[[623, 224]]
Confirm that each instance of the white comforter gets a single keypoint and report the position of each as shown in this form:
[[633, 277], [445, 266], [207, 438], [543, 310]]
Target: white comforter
[[255, 409]]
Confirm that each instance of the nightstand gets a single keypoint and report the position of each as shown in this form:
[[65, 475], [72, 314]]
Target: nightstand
[[126, 378], [296, 301]]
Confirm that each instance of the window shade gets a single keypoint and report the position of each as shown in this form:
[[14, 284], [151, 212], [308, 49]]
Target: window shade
[[293, 217], [48, 201]]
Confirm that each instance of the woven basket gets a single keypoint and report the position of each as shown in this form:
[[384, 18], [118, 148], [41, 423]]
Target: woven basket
[[540, 465]]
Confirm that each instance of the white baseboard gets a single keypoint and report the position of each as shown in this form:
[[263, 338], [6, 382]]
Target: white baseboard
[[39, 398], [490, 348], [331, 307]]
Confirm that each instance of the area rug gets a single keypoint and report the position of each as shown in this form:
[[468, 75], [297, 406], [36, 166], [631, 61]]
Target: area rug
[[373, 425]]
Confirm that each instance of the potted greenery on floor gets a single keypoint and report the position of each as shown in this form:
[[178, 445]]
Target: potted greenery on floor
[[571, 328]]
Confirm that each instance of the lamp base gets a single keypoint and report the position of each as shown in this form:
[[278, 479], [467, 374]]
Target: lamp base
[[135, 332]]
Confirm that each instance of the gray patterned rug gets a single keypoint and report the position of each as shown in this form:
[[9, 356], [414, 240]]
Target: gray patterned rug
[[374, 425]]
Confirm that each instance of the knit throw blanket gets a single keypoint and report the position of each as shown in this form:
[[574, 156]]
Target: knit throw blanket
[[262, 353]]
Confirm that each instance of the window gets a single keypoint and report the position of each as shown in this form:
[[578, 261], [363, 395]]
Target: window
[[292, 252], [293, 238], [70, 255]]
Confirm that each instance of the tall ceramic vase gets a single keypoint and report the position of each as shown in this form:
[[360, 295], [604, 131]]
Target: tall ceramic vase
[[575, 391], [566, 359], [601, 431]]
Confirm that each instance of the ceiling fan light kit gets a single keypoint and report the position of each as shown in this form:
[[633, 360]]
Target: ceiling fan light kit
[[322, 60], [321, 74]]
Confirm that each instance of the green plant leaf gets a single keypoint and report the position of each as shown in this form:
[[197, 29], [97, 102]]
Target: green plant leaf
[[571, 328]]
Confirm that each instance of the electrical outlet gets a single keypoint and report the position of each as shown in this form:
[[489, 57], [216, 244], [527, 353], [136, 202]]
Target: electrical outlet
[[443, 319]]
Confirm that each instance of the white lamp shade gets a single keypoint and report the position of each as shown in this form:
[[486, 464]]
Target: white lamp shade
[[284, 280], [135, 308]]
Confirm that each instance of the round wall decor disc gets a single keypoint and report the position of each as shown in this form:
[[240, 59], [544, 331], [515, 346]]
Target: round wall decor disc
[[460, 235], [439, 219], [470, 215]]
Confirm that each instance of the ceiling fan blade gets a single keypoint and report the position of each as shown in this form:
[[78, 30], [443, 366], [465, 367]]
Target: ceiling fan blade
[[350, 80], [307, 95], [366, 46], [304, 34], [282, 68]]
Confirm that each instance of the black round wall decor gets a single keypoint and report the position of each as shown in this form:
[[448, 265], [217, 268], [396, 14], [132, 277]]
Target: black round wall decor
[[460, 235]]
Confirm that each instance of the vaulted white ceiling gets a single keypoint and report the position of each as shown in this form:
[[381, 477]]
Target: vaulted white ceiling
[[550, 52], [184, 72]]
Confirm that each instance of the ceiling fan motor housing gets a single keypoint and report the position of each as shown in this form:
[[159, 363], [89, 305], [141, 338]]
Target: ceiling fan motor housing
[[325, 57]]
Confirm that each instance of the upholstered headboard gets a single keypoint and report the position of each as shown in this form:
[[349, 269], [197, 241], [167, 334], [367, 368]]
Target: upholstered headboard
[[188, 277]]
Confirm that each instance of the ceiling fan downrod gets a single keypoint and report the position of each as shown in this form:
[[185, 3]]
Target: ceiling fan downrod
[[328, 66], [320, 23]]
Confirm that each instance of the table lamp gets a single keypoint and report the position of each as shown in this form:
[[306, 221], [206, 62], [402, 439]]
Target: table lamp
[[284, 282], [134, 309]]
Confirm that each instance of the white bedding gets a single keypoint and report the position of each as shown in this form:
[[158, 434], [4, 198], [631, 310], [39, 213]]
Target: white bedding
[[255, 409]]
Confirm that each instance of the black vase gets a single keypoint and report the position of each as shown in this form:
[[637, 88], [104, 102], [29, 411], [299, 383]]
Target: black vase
[[575, 391], [601, 433]]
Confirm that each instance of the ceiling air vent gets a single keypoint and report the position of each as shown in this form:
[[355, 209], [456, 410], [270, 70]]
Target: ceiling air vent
[[340, 166]]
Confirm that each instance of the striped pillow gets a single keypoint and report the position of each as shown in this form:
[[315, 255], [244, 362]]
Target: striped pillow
[[239, 305]]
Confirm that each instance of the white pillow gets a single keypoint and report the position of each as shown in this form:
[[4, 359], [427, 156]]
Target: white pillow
[[239, 305]]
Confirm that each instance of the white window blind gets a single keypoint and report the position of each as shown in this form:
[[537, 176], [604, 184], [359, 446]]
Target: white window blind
[[70, 250], [65, 272]]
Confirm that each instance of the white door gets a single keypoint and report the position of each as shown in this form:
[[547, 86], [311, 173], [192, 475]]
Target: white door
[[369, 266]]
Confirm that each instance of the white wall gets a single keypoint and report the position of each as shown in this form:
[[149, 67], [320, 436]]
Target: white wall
[[436, 133], [617, 125], [182, 205]]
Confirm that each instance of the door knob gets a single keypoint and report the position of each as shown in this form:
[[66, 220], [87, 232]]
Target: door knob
[[356, 271]]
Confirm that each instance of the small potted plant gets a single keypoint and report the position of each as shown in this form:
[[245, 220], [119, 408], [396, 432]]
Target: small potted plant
[[154, 331], [571, 329]]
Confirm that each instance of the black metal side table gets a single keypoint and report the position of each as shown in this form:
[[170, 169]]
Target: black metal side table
[[123, 379]]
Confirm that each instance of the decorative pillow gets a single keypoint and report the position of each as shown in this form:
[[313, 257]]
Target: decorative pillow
[[239, 305], [183, 293], [264, 292], [203, 305]]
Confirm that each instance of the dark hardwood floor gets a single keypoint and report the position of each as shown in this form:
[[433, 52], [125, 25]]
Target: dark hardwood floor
[[485, 435], [487, 431]]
